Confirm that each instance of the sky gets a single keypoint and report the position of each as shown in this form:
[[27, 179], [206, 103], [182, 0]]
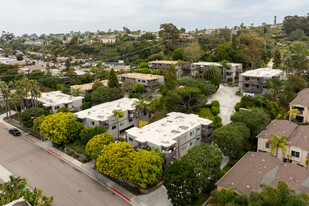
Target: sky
[[63, 16]]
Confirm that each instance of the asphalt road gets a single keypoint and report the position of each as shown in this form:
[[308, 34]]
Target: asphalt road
[[56, 178]]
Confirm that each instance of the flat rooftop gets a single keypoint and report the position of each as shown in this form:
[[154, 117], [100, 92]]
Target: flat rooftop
[[165, 131], [214, 63], [164, 62], [103, 112], [87, 86], [56, 98], [140, 76], [262, 72]]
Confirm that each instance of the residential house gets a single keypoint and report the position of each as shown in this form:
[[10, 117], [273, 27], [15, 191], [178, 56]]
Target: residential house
[[253, 81], [86, 89], [102, 115], [56, 100], [298, 141], [5, 60], [232, 71], [256, 168], [301, 103], [108, 40], [150, 81], [173, 135]]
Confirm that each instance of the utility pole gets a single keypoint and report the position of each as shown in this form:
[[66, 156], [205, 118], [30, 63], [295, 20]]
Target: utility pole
[[275, 20]]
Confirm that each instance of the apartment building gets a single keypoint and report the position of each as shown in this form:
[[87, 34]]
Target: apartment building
[[56, 100], [298, 138], [256, 168], [165, 65], [150, 81], [173, 135], [102, 115], [301, 103], [86, 89], [253, 81], [232, 71]]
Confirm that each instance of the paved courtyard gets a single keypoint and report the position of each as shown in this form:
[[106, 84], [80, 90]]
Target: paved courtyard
[[227, 98]]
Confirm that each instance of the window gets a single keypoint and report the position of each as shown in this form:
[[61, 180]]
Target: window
[[113, 118], [183, 148], [191, 143], [130, 120], [198, 139], [92, 122], [121, 124], [247, 78], [113, 127], [143, 81], [246, 85], [131, 139], [267, 145], [257, 86], [192, 133], [198, 129], [139, 80], [295, 154], [56, 107], [183, 138]]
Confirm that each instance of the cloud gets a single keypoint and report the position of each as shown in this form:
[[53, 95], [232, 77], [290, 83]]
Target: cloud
[[53, 16]]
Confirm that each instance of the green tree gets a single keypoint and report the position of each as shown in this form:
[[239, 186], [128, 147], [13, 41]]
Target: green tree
[[195, 172], [255, 119], [37, 123], [170, 35], [113, 160], [30, 114], [171, 78], [145, 168], [297, 35], [178, 54], [96, 144], [223, 52], [105, 94], [128, 86], [185, 99], [141, 106], [275, 84], [232, 138], [88, 133], [139, 88], [212, 72], [113, 80], [277, 59], [118, 114], [278, 142], [192, 53], [67, 63]]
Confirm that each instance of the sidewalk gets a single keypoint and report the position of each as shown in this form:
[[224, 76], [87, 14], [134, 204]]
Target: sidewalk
[[83, 167]]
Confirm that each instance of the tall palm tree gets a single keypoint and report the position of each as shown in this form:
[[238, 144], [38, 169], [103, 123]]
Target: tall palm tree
[[77, 92], [211, 72], [35, 92], [142, 106], [118, 113], [14, 99], [278, 142], [275, 84], [293, 113], [5, 91]]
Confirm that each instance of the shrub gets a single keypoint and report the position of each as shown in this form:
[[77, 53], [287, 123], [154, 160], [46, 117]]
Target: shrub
[[237, 106], [215, 103], [215, 110], [217, 122], [30, 114], [86, 105]]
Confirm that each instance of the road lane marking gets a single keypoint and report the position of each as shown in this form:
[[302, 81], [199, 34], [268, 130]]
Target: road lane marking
[[3, 124], [54, 153], [30, 139], [121, 194]]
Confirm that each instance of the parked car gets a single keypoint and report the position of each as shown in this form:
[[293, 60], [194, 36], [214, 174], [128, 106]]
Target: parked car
[[14, 132]]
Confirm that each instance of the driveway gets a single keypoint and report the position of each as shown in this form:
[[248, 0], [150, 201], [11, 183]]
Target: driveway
[[227, 98]]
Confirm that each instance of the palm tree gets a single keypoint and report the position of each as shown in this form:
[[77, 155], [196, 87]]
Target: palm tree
[[293, 113], [275, 84], [118, 113], [14, 99], [278, 142], [5, 91], [77, 92], [142, 106], [35, 92], [211, 72]]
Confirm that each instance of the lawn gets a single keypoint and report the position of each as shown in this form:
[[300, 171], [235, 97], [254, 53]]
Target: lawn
[[78, 148]]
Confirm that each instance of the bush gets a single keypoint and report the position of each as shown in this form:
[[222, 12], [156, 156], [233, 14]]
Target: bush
[[86, 105], [215, 110], [133, 95], [215, 103], [30, 114], [217, 122], [237, 106], [215, 81], [206, 88]]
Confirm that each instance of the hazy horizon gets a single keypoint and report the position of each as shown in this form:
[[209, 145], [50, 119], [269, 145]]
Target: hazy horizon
[[35, 16]]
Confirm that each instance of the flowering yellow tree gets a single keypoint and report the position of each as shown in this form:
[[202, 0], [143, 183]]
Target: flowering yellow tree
[[96, 144]]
